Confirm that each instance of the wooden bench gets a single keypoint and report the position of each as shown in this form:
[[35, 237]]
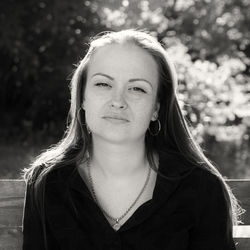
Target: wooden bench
[[11, 210]]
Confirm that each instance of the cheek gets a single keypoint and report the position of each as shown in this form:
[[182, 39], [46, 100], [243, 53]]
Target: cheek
[[144, 113], [91, 109], [92, 102]]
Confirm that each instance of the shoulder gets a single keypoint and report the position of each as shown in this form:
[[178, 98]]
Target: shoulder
[[205, 182], [174, 165], [206, 179], [211, 192], [48, 177], [58, 176], [200, 180]]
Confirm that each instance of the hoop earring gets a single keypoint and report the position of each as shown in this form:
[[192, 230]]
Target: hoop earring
[[84, 124], [88, 129], [159, 128], [78, 114]]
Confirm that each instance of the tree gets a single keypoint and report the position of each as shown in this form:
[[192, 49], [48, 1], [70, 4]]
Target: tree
[[40, 42]]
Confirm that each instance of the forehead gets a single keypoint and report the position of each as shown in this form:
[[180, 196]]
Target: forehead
[[124, 60]]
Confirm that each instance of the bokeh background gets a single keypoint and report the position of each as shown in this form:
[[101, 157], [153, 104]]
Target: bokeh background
[[41, 41]]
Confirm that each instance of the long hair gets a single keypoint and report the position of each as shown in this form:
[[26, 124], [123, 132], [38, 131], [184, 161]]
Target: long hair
[[174, 136]]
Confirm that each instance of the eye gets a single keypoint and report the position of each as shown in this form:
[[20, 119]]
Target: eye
[[102, 84], [138, 89]]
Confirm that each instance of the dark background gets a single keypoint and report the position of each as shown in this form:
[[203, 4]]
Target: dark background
[[209, 41]]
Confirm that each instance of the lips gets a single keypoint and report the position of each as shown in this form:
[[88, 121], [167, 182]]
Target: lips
[[116, 117]]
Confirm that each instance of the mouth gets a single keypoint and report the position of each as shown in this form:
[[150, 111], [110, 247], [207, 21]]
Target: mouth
[[116, 118]]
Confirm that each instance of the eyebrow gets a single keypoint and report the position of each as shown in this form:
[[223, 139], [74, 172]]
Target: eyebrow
[[130, 80], [101, 74]]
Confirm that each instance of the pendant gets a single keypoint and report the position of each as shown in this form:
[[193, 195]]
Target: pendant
[[117, 225]]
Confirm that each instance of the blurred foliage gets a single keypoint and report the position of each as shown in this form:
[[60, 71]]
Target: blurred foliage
[[40, 41], [209, 41]]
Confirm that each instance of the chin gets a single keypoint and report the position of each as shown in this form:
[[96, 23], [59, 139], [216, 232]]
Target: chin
[[116, 137], [119, 137]]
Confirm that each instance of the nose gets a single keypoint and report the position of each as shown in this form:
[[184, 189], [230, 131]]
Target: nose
[[118, 100]]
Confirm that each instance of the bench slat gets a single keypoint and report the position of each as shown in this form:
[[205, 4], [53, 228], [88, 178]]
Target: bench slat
[[242, 244], [241, 231], [11, 202], [11, 238]]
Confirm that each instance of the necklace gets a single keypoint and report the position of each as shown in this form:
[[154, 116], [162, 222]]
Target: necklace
[[116, 226]]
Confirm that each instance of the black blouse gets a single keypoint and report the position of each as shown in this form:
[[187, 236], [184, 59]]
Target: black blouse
[[185, 214]]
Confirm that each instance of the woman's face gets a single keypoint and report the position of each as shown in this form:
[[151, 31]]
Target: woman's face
[[121, 92]]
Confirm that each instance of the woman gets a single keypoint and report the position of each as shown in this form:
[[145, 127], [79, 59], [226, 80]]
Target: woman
[[127, 174]]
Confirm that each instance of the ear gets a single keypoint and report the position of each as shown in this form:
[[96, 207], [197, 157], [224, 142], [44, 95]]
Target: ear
[[155, 114]]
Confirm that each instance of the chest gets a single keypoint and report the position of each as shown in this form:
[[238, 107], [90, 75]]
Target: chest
[[120, 200], [166, 227]]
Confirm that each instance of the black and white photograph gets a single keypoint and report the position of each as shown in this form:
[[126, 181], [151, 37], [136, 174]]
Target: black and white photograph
[[125, 125]]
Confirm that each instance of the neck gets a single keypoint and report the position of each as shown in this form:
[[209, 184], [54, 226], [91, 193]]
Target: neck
[[118, 160]]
